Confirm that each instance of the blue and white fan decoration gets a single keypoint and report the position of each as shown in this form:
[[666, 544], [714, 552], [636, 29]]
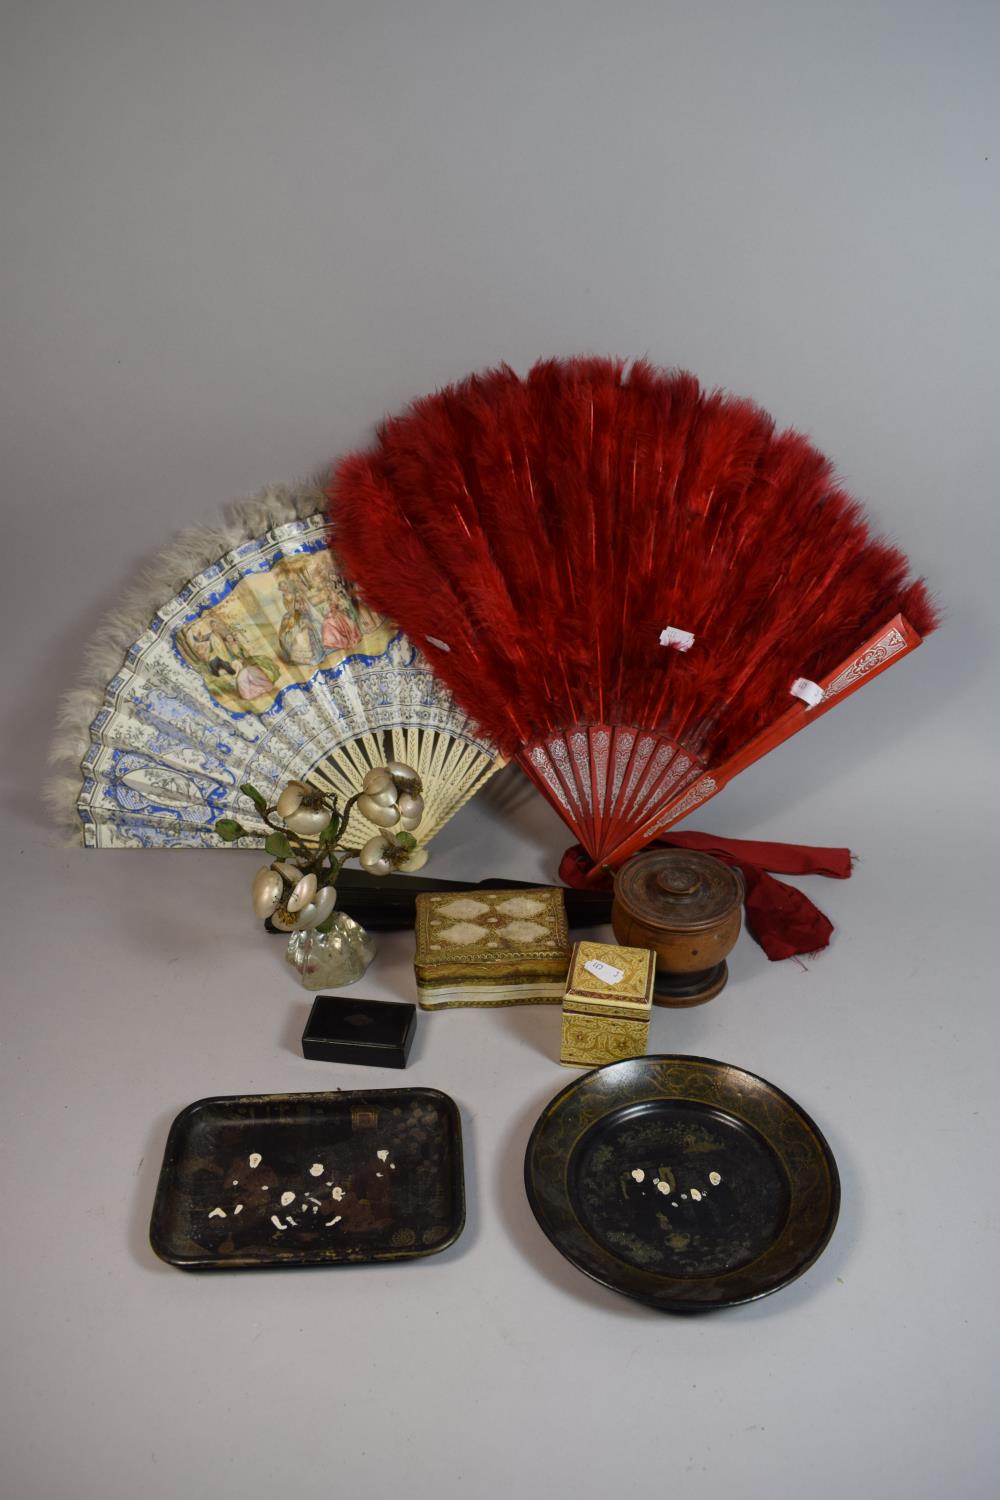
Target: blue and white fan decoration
[[262, 667]]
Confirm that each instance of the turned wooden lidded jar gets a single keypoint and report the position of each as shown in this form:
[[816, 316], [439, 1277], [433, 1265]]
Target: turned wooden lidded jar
[[686, 907]]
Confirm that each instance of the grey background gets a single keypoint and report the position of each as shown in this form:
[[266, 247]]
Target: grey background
[[232, 235]]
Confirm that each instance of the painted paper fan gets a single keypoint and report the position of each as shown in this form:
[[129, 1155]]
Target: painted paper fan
[[247, 657], [635, 587]]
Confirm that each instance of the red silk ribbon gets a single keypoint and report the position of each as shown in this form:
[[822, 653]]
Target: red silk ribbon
[[779, 917]]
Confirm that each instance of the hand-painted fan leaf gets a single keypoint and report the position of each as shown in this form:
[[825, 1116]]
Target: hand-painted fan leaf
[[259, 667]]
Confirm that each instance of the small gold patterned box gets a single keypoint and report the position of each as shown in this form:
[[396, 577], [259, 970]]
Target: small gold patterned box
[[607, 1005], [508, 947]]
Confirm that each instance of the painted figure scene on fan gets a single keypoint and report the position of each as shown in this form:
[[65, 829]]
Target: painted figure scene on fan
[[274, 629]]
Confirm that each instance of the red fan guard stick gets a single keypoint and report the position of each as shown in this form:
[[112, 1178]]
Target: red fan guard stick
[[887, 646]]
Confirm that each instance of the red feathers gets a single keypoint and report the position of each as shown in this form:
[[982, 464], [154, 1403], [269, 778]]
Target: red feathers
[[545, 531]]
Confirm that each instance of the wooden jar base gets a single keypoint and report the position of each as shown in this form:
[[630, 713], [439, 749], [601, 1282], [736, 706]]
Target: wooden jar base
[[681, 990]]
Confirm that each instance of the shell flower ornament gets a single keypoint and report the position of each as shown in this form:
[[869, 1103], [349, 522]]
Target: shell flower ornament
[[298, 890]]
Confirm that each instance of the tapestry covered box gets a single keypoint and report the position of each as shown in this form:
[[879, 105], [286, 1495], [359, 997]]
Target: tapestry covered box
[[607, 1005], [505, 947]]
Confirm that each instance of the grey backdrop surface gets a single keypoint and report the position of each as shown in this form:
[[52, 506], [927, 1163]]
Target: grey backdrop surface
[[232, 235]]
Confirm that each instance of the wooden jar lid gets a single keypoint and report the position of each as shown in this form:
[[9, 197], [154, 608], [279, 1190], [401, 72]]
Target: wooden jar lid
[[678, 890]]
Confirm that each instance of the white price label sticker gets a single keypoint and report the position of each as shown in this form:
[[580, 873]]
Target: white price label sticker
[[601, 970], [810, 692], [682, 639]]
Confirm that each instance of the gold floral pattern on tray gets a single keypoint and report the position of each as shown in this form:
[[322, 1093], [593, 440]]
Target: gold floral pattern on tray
[[751, 1191], [310, 1179]]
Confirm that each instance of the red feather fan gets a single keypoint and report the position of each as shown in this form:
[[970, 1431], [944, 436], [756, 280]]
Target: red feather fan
[[553, 545]]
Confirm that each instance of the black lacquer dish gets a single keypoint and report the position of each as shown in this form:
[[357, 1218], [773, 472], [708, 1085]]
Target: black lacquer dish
[[272, 1180], [685, 1183]]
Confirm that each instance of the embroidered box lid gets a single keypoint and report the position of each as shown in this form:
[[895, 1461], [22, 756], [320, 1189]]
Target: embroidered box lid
[[491, 947], [606, 979]]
